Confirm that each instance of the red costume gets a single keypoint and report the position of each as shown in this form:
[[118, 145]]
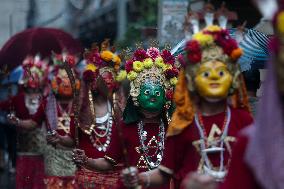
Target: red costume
[[94, 134], [240, 175], [59, 167], [30, 164], [130, 137], [182, 155]]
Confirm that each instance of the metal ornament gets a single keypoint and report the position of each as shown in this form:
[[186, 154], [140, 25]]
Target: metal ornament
[[144, 149]]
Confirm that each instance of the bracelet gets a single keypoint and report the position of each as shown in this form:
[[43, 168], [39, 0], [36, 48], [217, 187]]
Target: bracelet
[[148, 180]]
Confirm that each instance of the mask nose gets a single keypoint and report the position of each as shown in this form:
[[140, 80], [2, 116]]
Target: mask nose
[[214, 75]]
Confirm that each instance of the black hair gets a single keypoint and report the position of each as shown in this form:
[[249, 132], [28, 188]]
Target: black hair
[[252, 79]]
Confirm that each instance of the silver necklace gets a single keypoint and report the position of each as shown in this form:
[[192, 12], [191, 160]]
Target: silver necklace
[[144, 149], [105, 131], [207, 167]]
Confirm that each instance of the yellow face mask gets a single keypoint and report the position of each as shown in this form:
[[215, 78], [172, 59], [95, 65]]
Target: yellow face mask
[[213, 80]]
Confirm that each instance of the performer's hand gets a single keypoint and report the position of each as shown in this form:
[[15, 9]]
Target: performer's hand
[[12, 119], [52, 137], [130, 177], [79, 157], [199, 181]]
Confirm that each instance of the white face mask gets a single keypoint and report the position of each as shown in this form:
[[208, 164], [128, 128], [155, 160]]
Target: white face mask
[[32, 102]]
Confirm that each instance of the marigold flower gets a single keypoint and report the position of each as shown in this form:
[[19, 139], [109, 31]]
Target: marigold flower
[[116, 59], [148, 63], [203, 39], [280, 22], [132, 75], [91, 67], [236, 53], [173, 81], [121, 75], [138, 66], [107, 56], [213, 28], [159, 62]]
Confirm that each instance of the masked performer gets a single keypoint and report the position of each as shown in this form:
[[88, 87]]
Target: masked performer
[[204, 124], [258, 159], [139, 139], [56, 111], [30, 143], [93, 134]]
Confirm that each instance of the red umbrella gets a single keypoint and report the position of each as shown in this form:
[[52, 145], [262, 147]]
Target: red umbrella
[[34, 41]]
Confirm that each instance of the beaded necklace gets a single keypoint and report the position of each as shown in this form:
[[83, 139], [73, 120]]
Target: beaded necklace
[[208, 168]]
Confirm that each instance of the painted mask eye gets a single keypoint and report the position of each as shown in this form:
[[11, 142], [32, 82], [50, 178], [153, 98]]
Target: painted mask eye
[[147, 92], [221, 73], [157, 93], [205, 74]]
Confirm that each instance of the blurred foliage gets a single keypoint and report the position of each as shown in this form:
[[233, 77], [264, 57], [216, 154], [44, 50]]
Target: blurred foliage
[[144, 14]]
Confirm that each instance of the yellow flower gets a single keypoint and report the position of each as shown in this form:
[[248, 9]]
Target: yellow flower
[[91, 67], [213, 28], [107, 56], [131, 75], [203, 39], [167, 66], [280, 22], [148, 63], [173, 81], [138, 66], [121, 75], [159, 62], [116, 59]]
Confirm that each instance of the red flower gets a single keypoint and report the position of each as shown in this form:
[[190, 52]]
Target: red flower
[[129, 66], [153, 52], [168, 57], [71, 60], [193, 51], [89, 76], [192, 46], [194, 58], [169, 94], [140, 55], [170, 73], [94, 57]]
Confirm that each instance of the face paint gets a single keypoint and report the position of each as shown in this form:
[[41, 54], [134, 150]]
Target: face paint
[[151, 97], [213, 80]]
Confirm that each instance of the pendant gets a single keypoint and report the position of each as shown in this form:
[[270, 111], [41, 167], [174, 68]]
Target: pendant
[[217, 175]]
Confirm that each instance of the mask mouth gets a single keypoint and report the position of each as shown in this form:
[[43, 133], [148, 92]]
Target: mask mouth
[[153, 100], [214, 85]]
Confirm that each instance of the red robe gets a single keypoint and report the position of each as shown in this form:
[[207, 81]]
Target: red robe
[[131, 141], [30, 168], [93, 179], [182, 157], [59, 170], [240, 175]]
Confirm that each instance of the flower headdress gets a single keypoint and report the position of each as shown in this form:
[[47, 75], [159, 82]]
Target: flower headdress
[[100, 60], [58, 72], [212, 43], [35, 72], [154, 65]]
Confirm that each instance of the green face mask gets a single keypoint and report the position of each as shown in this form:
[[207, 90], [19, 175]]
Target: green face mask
[[151, 97]]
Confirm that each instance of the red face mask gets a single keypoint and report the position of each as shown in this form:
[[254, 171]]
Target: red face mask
[[109, 81]]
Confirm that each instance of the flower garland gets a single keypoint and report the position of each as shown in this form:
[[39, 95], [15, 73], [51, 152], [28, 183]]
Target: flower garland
[[211, 36], [151, 63], [97, 59], [35, 72]]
